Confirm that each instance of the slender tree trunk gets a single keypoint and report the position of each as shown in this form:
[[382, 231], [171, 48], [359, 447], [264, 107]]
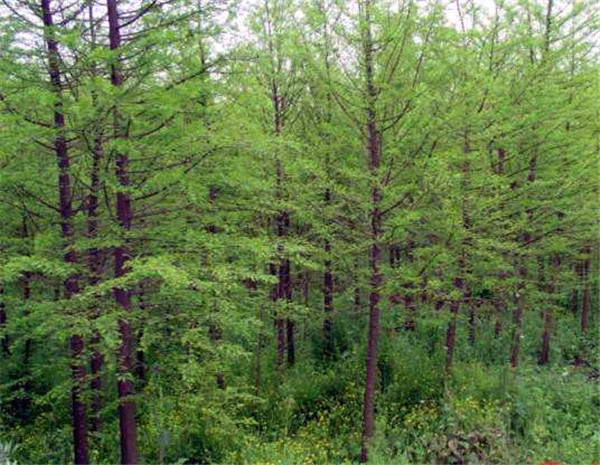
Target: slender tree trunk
[[4, 343], [465, 261], [499, 305], [24, 402], [585, 304], [357, 300], [291, 346], [374, 162], [518, 315], [409, 297], [71, 284], [94, 259], [499, 297], [328, 292], [522, 272], [546, 331], [451, 330], [501, 160], [282, 221], [461, 282], [544, 357], [575, 290], [286, 277], [215, 331], [284, 285], [252, 286], [140, 357], [95, 271], [127, 422], [26, 289]]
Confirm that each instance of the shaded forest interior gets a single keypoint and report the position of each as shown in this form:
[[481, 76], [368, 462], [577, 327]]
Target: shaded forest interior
[[299, 231]]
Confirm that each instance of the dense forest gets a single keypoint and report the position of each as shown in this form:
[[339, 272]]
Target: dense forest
[[299, 231]]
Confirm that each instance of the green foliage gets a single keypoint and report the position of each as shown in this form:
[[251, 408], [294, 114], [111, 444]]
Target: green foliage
[[245, 128]]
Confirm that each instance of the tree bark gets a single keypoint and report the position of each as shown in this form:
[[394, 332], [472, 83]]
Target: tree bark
[[214, 330], [328, 292], [575, 290], [499, 305], [518, 315], [4, 342], [127, 422], [522, 272], [451, 330], [409, 296], [462, 281], [586, 300], [94, 259], [547, 324], [95, 270], [71, 284], [374, 162]]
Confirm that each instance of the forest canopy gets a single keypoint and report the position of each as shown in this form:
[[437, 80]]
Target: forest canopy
[[299, 231]]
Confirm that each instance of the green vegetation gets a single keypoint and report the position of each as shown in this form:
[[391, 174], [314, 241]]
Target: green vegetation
[[299, 231]]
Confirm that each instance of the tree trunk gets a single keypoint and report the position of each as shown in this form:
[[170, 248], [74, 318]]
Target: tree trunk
[[95, 270], [71, 284], [127, 423], [575, 290], [4, 343], [544, 357], [585, 304], [26, 288], [374, 162], [409, 296], [451, 330], [214, 330], [94, 259], [522, 271], [357, 300], [252, 286], [328, 293], [547, 328], [461, 282], [499, 306], [518, 316]]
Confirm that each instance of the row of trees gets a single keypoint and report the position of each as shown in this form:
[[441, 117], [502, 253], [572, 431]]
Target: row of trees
[[180, 195]]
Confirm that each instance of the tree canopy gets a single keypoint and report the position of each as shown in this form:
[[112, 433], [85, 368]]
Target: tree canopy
[[299, 231]]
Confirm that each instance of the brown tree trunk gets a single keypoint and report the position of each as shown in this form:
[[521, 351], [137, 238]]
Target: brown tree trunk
[[544, 357], [451, 330], [586, 300], [522, 271], [4, 343], [23, 402], [518, 316], [286, 295], [461, 282], [374, 162], [94, 262], [26, 289], [214, 330], [252, 287], [409, 296], [71, 284], [95, 271], [357, 300], [499, 305], [127, 422], [284, 285], [499, 297], [328, 293], [575, 290]]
